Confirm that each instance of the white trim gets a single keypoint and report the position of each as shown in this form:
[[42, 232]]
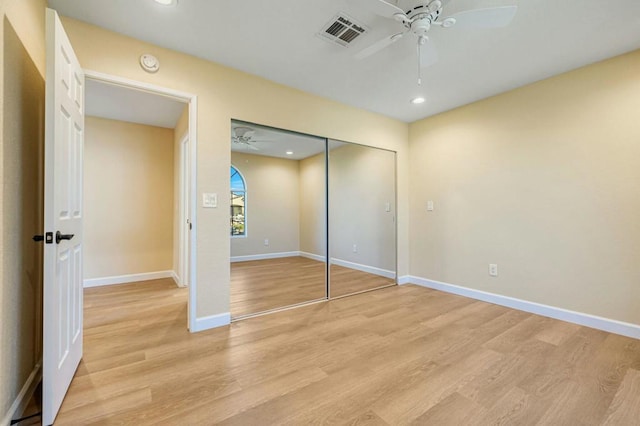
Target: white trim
[[130, 278], [192, 101], [364, 268], [139, 85], [193, 181], [176, 279], [25, 394], [212, 321], [318, 257], [264, 256], [183, 212], [580, 318], [404, 279]]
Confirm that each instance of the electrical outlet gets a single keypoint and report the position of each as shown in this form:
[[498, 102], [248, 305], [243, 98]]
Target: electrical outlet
[[355, 248], [493, 269], [266, 241], [430, 206]]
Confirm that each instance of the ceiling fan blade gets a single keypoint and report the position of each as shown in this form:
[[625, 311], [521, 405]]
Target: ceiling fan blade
[[378, 46], [428, 55], [492, 17], [382, 8], [481, 14]]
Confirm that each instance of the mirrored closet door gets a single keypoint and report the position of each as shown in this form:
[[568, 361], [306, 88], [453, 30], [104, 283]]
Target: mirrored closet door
[[278, 219], [362, 218]]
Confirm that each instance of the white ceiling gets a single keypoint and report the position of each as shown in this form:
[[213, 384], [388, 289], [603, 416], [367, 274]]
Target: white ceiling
[[135, 106], [277, 40]]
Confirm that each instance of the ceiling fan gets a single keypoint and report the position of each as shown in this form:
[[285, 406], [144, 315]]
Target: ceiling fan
[[419, 16]]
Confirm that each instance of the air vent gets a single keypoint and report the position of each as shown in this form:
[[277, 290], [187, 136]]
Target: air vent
[[342, 30]]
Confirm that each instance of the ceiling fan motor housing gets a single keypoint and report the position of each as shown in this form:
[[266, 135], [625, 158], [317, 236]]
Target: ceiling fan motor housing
[[421, 25]]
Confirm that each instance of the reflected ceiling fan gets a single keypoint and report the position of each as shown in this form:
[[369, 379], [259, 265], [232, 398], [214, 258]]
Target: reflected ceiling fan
[[242, 135], [419, 16]]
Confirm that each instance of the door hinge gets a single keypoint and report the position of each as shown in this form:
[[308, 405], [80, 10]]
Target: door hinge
[[47, 238]]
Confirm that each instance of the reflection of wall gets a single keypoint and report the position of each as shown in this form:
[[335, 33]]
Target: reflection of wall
[[312, 205], [544, 181], [22, 94], [361, 182], [272, 210], [128, 198]]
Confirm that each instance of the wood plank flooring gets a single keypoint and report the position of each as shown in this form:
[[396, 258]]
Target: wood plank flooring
[[262, 285], [401, 355]]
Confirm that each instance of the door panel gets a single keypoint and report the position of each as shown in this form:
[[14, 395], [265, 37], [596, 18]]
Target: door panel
[[64, 136], [362, 230]]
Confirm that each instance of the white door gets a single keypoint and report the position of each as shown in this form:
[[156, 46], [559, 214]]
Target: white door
[[64, 135]]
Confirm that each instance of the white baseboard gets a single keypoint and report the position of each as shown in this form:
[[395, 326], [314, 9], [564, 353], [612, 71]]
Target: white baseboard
[[264, 256], [580, 318], [404, 279], [176, 279], [122, 279], [364, 268], [313, 256], [213, 321], [25, 394]]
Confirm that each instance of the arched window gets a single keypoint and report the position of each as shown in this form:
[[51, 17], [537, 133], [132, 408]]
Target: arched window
[[238, 204]]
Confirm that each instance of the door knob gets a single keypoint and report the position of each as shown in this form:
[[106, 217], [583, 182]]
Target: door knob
[[60, 237]]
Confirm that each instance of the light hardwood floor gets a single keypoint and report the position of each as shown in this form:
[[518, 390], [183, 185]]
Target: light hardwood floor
[[400, 355], [262, 285]]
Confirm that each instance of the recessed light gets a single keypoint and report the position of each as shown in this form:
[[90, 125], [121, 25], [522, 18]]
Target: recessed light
[[289, 152], [418, 100], [167, 2]]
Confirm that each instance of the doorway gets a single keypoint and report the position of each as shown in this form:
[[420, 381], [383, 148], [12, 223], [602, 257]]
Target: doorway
[[163, 121]]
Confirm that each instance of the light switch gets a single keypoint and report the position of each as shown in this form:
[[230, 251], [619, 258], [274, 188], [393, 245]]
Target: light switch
[[430, 205], [387, 207], [209, 200]]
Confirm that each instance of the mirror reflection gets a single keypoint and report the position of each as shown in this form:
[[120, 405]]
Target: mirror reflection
[[277, 217], [362, 226]]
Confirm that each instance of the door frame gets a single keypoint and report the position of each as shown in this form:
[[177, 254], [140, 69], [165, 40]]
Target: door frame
[[184, 212], [192, 101]]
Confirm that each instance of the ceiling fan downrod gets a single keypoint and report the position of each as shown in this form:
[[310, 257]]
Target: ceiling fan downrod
[[421, 40]]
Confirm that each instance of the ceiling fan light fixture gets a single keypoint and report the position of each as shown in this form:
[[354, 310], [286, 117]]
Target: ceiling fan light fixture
[[418, 100], [167, 2]]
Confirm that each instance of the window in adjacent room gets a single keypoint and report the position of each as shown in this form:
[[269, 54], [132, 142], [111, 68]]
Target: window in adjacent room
[[238, 204]]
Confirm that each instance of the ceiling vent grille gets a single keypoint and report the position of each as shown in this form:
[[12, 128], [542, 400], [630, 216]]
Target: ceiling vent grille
[[342, 30]]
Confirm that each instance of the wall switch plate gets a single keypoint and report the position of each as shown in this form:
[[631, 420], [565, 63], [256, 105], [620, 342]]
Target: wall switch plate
[[387, 207], [430, 205], [209, 200], [493, 269]]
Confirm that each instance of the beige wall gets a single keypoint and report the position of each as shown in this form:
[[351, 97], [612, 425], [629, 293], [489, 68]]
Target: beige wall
[[545, 182], [272, 205], [21, 147], [181, 129], [313, 213], [128, 198], [225, 94], [361, 182]]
